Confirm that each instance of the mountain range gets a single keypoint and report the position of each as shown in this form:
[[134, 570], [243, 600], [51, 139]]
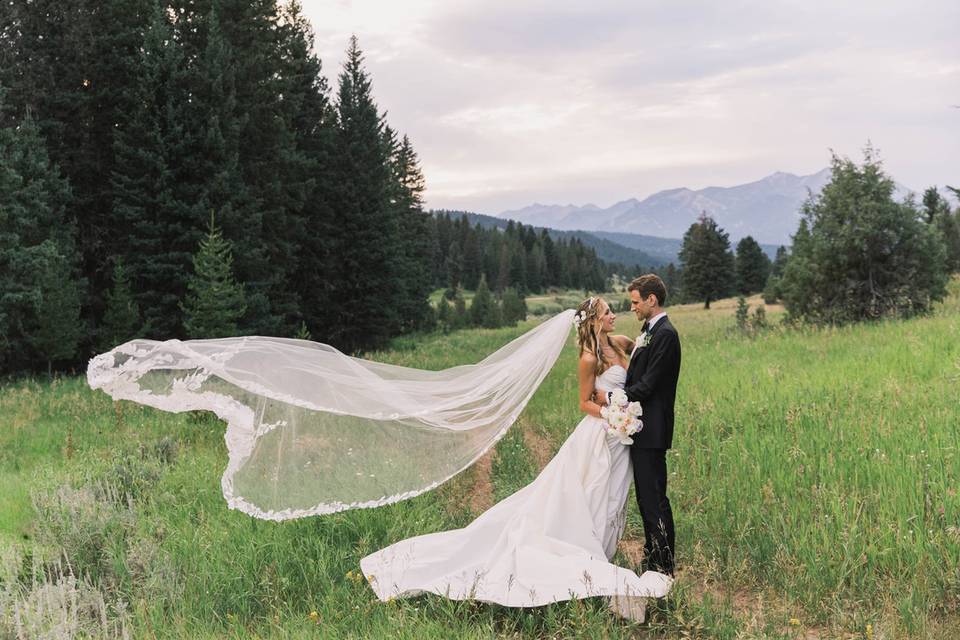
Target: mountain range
[[768, 210]]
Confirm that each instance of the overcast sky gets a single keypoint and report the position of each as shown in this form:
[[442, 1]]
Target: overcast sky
[[510, 102]]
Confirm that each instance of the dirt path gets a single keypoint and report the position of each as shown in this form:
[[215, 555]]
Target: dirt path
[[481, 492], [539, 446]]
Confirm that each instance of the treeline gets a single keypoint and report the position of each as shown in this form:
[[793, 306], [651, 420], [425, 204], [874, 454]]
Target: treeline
[[485, 310], [858, 254], [126, 125], [515, 257]]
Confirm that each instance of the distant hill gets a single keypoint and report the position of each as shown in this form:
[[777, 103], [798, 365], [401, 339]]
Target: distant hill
[[664, 250], [768, 210], [608, 250]]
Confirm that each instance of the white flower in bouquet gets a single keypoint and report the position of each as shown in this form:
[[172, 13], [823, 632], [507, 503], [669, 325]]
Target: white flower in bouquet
[[634, 409], [618, 397]]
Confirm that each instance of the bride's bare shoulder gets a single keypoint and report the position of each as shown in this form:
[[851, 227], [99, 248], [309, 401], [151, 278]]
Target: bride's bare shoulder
[[587, 363]]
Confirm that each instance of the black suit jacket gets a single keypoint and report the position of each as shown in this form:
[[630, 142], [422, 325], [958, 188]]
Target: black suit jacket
[[652, 381]]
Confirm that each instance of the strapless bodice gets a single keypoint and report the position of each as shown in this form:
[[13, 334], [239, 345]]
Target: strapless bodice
[[612, 378]]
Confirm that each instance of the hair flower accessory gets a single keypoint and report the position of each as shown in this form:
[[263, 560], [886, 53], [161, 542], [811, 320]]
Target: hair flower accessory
[[582, 314]]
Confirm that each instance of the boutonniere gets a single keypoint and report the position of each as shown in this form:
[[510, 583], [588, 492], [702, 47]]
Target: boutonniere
[[642, 340]]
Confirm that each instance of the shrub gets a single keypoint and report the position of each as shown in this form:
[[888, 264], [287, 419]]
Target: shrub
[[759, 320], [743, 314], [88, 525], [54, 603]]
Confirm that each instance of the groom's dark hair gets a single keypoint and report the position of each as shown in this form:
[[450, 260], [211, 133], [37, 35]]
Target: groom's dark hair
[[647, 284]]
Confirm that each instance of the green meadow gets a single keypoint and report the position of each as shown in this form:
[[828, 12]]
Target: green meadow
[[814, 482]]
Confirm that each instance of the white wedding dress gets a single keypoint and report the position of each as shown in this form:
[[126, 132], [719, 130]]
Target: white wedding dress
[[550, 541]]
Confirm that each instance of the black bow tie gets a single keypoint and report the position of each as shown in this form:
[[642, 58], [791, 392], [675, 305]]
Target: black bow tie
[[645, 327]]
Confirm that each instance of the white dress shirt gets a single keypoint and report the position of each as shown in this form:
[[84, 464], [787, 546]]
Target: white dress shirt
[[652, 321]]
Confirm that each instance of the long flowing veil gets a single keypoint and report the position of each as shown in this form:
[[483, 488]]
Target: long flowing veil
[[313, 431]]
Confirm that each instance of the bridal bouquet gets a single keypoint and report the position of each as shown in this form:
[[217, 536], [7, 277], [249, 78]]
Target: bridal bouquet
[[622, 416]]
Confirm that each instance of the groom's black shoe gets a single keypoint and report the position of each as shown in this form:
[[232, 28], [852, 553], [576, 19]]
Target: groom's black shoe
[[659, 561]]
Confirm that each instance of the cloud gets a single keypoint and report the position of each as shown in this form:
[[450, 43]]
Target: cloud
[[510, 102]]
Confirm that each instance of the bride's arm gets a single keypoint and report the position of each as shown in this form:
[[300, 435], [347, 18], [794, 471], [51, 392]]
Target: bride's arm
[[624, 343], [587, 377]]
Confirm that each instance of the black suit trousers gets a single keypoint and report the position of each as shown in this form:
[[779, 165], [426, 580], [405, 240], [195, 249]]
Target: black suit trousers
[[650, 477]]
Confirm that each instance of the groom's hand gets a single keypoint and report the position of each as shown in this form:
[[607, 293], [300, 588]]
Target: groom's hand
[[600, 398]]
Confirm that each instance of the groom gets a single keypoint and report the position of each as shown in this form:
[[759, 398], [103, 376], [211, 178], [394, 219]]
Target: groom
[[652, 381]]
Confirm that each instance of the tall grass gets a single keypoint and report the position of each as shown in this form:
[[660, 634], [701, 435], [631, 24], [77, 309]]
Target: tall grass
[[814, 481]]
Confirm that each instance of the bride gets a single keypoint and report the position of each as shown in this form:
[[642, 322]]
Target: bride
[[313, 431], [553, 539]]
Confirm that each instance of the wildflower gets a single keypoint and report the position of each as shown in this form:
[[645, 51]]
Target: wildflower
[[794, 622], [869, 631], [314, 616]]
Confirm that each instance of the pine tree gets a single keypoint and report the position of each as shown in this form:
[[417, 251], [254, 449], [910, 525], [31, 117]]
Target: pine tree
[[58, 330], [752, 265], [671, 279], [453, 266], [493, 318], [121, 320], [285, 149], [536, 266], [518, 266], [472, 260], [312, 123], [799, 275], [934, 204], [366, 241], [38, 258], [482, 305], [773, 289], [861, 255], [441, 244], [222, 120], [779, 262], [937, 212], [504, 263], [514, 307], [215, 302], [444, 315], [154, 204], [461, 317], [707, 262], [551, 257], [414, 266], [949, 225]]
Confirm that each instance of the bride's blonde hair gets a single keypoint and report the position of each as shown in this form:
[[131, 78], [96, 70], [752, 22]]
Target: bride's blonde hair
[[588, 325]]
